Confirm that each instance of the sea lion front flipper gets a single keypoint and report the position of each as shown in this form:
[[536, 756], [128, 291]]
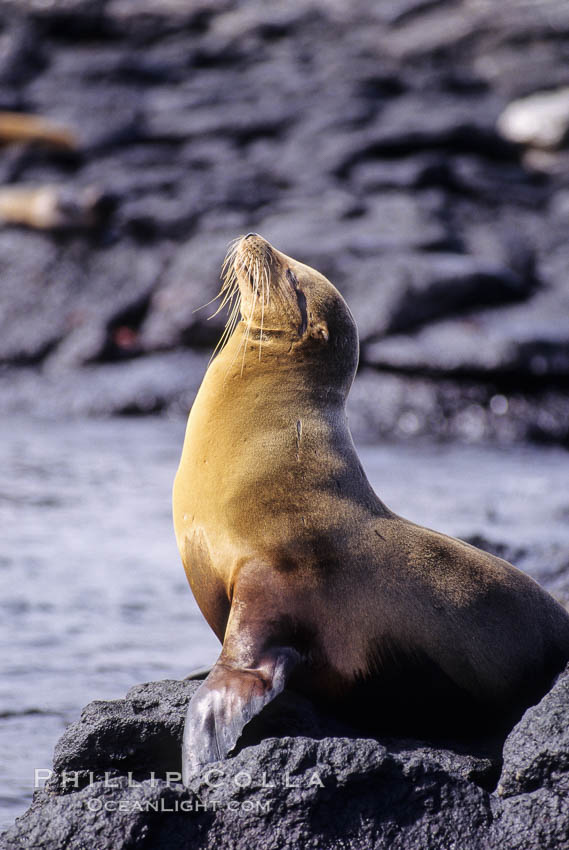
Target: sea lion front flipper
[[227, 700]]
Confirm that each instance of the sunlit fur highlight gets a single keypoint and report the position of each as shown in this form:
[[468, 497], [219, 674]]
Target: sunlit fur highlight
[[258, 272]]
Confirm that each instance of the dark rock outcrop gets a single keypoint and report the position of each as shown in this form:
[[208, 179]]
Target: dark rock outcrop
[[371, 141], [299, 779]]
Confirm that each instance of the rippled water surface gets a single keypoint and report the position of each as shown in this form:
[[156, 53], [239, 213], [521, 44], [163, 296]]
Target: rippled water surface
[[94, 598]]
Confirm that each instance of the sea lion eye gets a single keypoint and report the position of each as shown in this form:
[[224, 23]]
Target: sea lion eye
[[301, 300], [292, 279]]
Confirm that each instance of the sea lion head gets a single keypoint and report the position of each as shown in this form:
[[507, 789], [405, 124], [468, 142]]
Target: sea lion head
[[283, 307]]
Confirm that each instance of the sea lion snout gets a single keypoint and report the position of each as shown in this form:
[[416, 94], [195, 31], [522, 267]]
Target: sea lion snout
[[281, 301], [253, 247]]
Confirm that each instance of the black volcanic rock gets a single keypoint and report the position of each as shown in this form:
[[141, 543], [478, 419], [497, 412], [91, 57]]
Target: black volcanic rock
[[398, 293], [56, 292], [299, 779], [536, 754], [364, 139], [534, 785], [139, 386], [534, 343]]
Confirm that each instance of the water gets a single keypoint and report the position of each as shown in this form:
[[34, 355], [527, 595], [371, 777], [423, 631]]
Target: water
[[94, 598]]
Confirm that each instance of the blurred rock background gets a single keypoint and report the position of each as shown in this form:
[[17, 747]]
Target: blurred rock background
[[414, 151]]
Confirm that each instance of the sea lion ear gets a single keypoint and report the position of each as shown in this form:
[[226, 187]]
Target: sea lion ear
[[320, 331]]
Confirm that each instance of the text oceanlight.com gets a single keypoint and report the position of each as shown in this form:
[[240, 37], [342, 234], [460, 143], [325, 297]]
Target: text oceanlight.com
[[134, 806]]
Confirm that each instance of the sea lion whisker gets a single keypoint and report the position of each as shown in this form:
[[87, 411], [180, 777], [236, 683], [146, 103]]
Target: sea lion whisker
[[226, 294], [257, 276], [249, 265], [231, 250], [230, 287], [228, 297], [250, 273], [203, 306], [262, 312], [264, 298], [254, 266], [233, 316], [228, 331], [228, 265], [229, 257], [267, 273], [228, 281], [243, 342]]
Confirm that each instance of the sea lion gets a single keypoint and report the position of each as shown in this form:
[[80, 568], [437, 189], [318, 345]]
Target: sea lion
[[305, 576], [21, 127], [49, 207]]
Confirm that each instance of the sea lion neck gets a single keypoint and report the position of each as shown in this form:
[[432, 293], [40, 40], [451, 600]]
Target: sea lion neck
[[276, 359], [250, 431]]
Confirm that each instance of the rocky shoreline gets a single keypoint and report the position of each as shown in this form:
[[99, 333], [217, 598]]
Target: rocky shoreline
[[417, 153], [299, 780], [401, 148]]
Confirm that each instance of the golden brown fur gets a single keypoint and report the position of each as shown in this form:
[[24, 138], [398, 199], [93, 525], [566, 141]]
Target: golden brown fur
[[305, 576]]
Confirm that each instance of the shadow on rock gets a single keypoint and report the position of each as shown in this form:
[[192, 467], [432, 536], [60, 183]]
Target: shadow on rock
[[298, 779]]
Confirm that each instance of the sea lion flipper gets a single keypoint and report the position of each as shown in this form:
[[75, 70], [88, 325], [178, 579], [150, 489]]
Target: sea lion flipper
[[226, 701]]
